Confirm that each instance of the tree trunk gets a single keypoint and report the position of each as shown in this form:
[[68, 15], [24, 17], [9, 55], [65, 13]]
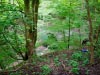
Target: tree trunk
[[35, 5], [69, 27], [90, 34], [31, 30]]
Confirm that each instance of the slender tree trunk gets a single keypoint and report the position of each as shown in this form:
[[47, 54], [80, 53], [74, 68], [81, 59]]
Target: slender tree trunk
[[69, 34], [80, 37], [35, 5], [69, 27], [90, 34], [31, 30], [27, 11], [64, 36]]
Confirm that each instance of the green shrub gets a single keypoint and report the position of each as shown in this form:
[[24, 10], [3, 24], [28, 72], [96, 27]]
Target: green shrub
[[46, 70], [56, 61], [74, 65], [53, 46], [75, 70], [77, 56]]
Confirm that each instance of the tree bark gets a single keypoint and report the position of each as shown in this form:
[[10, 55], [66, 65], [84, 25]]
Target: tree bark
[[35, 5], [31, 30], [69, 26], [90, 34]]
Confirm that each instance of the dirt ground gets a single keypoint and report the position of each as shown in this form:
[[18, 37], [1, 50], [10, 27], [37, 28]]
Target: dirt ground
[[60, 69]]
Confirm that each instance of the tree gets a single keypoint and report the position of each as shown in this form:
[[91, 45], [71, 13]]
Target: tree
[[31, 30], [90, 34]]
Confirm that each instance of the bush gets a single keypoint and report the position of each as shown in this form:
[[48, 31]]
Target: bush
[[53, 46], [74, 65], [56, 61], [77, 56], [46, 70]]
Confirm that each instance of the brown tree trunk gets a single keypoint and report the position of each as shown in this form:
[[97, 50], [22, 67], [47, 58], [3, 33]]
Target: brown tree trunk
[[35, 5], [69, 26], [31, 30], [27, 11], [90, 34]]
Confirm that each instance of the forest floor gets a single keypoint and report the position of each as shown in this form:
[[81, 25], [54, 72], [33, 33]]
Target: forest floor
[[54, 64]]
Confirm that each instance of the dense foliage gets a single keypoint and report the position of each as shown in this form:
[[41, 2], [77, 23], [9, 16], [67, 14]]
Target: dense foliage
[[56, 25]]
